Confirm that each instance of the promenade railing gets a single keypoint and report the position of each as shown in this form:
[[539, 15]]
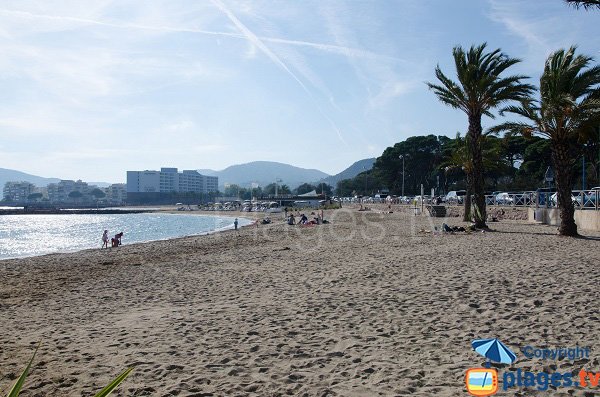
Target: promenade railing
[[582, 199]]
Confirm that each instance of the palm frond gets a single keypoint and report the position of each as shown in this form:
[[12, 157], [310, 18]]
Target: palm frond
[[515, 128], [480, 88], [586, 4], [16, 389], [114, 384]]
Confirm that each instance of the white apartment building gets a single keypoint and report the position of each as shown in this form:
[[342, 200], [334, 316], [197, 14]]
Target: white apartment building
[[18, 191], [169, 180], [116, 193], [59, 192]]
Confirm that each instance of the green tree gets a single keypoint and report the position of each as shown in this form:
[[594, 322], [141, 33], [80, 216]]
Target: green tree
[[75, 194], [281, 189], [98, 194], [537, 157], [592, 159], [256, 192], [567, 113], [364, 183], [460, 161], [235, 191], [305, 188], [34, 196], [480, 90], [324, 188], [284, 189], [422, 157]]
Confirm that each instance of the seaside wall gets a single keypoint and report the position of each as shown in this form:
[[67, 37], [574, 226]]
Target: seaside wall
[[585, 219]]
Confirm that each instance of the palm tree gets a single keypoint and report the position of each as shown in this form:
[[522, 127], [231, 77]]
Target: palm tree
[[460, 159], [480, 89], [567, 112], [586, 4]]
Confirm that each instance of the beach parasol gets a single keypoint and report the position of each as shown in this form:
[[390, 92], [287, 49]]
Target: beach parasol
[[494, 350]]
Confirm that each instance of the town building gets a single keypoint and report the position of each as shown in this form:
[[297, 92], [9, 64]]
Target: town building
[[18, 191], [116, 194], [62, 191], [169, 180]]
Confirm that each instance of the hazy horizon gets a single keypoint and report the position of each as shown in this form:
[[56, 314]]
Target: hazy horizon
[[181, 169], [92, 89]]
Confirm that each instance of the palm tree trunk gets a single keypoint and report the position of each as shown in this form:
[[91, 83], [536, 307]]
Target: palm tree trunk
[[564, 182], [477, 187], [467, 215]]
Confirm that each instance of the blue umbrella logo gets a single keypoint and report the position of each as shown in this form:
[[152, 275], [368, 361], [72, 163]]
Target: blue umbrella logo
[[494, 350]]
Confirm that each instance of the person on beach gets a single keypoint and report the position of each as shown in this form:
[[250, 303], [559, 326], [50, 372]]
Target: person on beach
[[235, 224], [105, 239], [116, 241], [291, 220]]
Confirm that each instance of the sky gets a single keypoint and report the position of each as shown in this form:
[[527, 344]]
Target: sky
[[91, 89]]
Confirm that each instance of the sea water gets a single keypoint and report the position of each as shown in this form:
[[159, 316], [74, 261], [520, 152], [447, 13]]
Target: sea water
[[31, 235]]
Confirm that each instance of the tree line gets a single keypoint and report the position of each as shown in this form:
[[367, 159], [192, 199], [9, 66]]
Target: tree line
[[512, 163], [271, 189], [564, 110]]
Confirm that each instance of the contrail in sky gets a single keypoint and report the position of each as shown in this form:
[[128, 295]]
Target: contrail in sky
[[348, 51], [258, 43]]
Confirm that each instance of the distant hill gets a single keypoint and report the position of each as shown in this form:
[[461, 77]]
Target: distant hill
[[264, 173], [350, 172], [206, 171], [99, 184], [7, 175]]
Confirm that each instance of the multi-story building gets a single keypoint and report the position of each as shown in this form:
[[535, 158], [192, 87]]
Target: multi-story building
[[143, 182], [59, 192], [18, 191], [169, 180], [116, 193], [211, 183]]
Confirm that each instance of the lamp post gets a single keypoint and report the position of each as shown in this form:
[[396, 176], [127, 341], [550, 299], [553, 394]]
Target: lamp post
[[402, 157], [277, 180], [365, 171]]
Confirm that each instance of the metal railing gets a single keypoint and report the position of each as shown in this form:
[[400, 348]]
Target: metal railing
[[582, 199]]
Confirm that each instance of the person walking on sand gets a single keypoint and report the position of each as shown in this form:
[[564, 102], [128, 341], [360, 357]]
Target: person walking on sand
[[105, 239]]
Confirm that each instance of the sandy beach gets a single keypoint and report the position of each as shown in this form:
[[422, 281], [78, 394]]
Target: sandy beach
[[372, 304]]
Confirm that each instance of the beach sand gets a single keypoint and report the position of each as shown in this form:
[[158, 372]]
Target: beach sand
[[365, 306]]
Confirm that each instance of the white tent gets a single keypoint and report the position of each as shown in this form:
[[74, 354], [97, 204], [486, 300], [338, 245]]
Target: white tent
[[309, 194]]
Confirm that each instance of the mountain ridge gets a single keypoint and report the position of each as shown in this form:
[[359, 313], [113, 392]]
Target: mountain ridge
[[356, 168], [264, 173]]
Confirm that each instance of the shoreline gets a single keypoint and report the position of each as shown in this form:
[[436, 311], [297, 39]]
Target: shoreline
[[163, 211]]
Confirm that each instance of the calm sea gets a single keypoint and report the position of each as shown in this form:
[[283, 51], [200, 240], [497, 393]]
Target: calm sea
[[30, 235]]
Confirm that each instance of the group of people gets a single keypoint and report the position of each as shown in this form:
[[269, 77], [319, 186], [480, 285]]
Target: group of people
[[317, 219], [114, 241]]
